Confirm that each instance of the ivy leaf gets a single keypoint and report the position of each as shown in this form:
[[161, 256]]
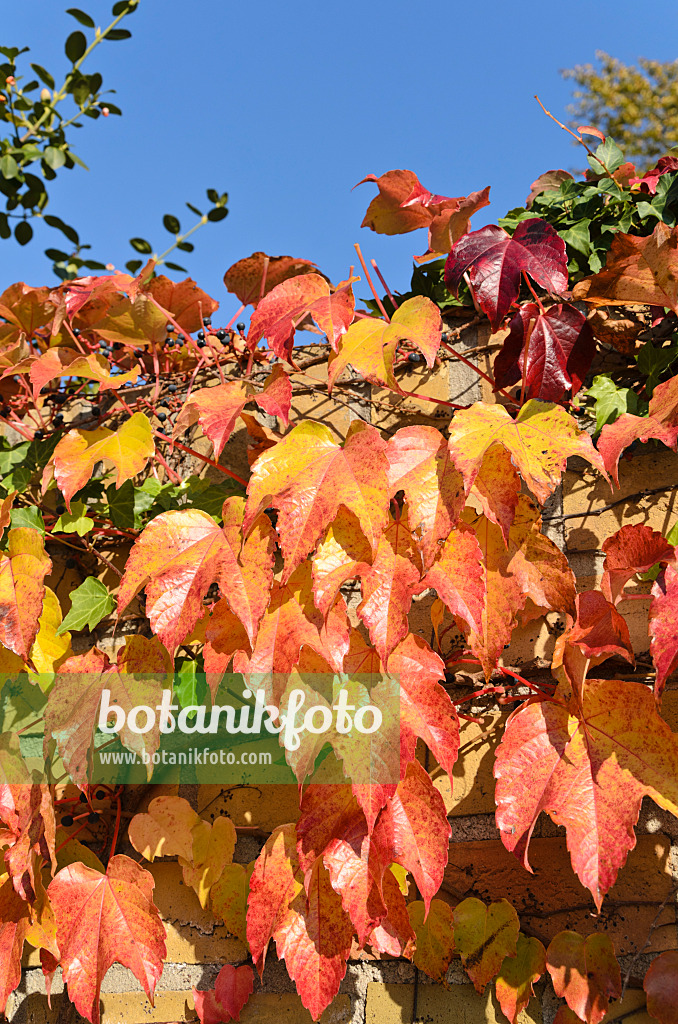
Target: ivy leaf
[[611, 401], [229, 895], [77, 453], [307, 476], [24, 309], [181, 554], [370, 344], [661, 986], [66, 362], [274, 884], [484, 936], [28, 516], [540, 440], [434, 941], [292, 301], [90, 603], [419, 463], [276, 397], [518, 974], [528, 566], [663, 626], [102, 920], [245, 278], [638, 271], [414, 826], [75, 521], [559, 347], [52, 643], [585, 972], [632, 550], [495, 261], [22, 572], [661, 423], [165, 830], [589, 767], [223, 1003], [457, 577], [653, 362], [216, 409]]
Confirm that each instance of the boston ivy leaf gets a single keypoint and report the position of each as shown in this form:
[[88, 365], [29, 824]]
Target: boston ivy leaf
[[638, 271], [22, 589], [102, 920], [90, 603], [66, 362], [307, 476], [551, 351], [663, 626], [661, 423], [223, 1003], [433, 945], [245, 278], [631, 550], [484, 936], [661, 986], [276, 396], [540, 440], [588, 766], [514, 984], [585, 972], [495, 261], [278, 314], [216, 409]]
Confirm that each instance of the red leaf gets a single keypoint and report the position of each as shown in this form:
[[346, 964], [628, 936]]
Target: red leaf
[[216, 409], [414, 828], [600, 631], [246, 277], [342, 555], [588, 767], [631, 550], [276, 398], [585, 972], [223, 1003], [66, 362], [661, 986], [183, 300], [307, 476], [648, 183], [661, 423], [102, 920], [31, 834], [457, 577], [274, 884], [278, 314], [419, 463], [663, 627], [560, 348], [495, 261]]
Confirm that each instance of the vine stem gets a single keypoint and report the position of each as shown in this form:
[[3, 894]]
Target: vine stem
[[386, 287], [118, 815], [203, 458], [574, 135], [481, 373], [371, 284]]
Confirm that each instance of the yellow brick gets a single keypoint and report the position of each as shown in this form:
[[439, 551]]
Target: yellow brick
[[585, 492], [472, 791], [391, 411], [460, 1004], [287, 1008], [487, 870], [193, 937], [633, 1000], [265, 806], [133, 1007]]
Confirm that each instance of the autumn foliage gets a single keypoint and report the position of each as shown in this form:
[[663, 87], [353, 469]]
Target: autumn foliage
[[109, 387]]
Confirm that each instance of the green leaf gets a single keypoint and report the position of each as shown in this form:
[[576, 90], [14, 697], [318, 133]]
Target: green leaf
[[127, 505], [23, 232], [76, 44], [608, 157], [212, 195], [43, 75], [31, 517], [218, 213], [56, 222], [124, 7], [611, 401], [653, 362], [209, 497], [133, 266], [171, 224], [176, 266], [75, 521], [90, 603], [80, 16], [141, 245], [54, 158], [578, 237], [190, 688], [118, 33], [194, 209], [9, 168]]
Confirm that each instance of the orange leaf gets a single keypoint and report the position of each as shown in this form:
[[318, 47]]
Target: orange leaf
[[663, 627], [24, 310], [102, 920], [278, 315], [518, 974], [22, 589], [244, 278], [631, 550], [457, 577], [276, 397], [31, 835], [186, 303], [638, 271], [342, 554], [419, 463], [216, 409], [661, 424], [588, 766], [66, 362], [274, 884], [661, 986], [585, 972], [307, 476], [128, 448]]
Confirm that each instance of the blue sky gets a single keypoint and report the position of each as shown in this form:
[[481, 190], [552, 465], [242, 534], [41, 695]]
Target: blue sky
[[287, 105]]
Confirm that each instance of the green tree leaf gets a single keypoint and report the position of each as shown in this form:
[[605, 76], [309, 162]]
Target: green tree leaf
[[76, 44], [80, 16], [75, 521]]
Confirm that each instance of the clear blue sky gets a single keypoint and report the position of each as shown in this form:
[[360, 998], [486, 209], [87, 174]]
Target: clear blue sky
[[287, 105]]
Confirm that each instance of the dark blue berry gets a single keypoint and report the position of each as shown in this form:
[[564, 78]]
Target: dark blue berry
[[38, 435], [67, 820], [162, 416], [201, 343], [240, 326], [172, 388], [221, 335], [96, 411], [201, 335], [169, 328], [58, 419]]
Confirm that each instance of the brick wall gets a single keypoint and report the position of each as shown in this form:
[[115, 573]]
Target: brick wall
[[383, 991]]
